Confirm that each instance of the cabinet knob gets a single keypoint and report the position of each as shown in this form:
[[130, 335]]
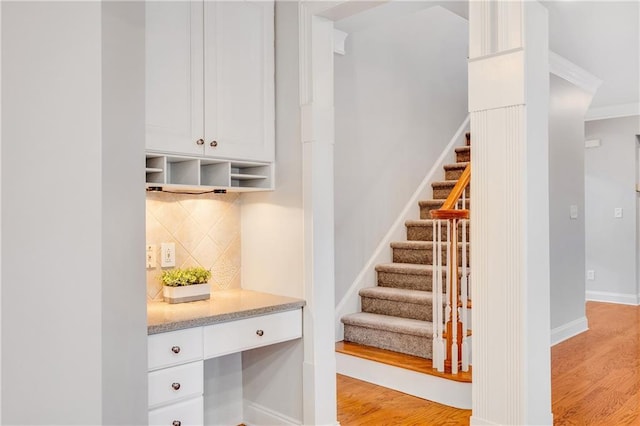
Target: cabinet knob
[[176, 423], [175, 349], [213, 144], [259, 332], [200, 142], [175, 386]]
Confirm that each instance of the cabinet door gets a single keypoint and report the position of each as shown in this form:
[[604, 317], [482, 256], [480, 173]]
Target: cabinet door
[[239, 80], [174, 76]]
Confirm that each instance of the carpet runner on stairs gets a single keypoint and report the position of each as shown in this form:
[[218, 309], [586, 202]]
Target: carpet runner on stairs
[[396, 314]]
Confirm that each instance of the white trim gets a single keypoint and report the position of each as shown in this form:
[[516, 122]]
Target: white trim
[[573, 73], [382, 254], [612, 111], [609, 297], [256, 414], [425, 386], [568, 330]]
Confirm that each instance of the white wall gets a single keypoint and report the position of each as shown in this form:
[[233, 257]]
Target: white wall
[[272, 233], [124, 319], [567, 107], [400, 95], [73, 313], [610, 180]]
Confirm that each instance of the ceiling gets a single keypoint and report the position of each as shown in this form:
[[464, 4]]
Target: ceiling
[[602, 37]]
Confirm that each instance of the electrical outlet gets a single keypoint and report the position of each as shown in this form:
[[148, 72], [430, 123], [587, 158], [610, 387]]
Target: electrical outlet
[[617, 212], [168, 253], [151, 255], [591, 275]]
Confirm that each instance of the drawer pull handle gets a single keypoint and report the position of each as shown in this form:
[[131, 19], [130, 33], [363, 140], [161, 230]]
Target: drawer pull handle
[[213, 144], [259, 333], [176, 423], [175, 386], [175, 349]]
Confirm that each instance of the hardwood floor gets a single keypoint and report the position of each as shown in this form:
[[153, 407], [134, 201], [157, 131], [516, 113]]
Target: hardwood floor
[[595, 381]]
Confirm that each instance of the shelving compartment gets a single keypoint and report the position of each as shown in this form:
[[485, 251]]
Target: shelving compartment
[[251, 175], [215, 173], [183, 171], [155, 169]]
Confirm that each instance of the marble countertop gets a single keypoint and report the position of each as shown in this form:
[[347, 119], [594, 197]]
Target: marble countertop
[[225, 305]]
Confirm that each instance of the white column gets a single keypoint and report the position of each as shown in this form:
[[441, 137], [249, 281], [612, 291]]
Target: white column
[[316, 100], [508, 101]]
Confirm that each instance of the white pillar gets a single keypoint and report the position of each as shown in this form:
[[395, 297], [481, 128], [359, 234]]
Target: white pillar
[[316, 100], [509, 102]]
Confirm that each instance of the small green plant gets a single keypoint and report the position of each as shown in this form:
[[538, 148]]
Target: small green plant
[[188, 276]]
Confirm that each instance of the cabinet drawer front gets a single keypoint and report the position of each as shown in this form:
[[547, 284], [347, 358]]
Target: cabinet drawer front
[[175, 383], [174, 348], [236, 336], [185, 413]]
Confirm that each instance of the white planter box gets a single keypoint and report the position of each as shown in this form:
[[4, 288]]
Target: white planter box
[[187, 293]]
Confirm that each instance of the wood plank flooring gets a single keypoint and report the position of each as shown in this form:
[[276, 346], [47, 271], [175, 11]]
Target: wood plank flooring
[[595, 381], [409, 362]]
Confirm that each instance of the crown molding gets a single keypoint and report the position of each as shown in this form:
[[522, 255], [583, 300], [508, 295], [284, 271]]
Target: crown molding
[[569, 71], [612, 111]]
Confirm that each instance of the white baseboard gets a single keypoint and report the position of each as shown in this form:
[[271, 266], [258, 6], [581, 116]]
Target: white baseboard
[[568, 330], [257, 415], [436, 389], [350, 302], [477, 421], [608, 297]]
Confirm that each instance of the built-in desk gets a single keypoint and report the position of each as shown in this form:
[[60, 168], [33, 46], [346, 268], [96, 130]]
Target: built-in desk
[[182, 336]]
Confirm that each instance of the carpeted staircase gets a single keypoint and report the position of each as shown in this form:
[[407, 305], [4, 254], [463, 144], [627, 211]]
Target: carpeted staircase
[[397, 313]]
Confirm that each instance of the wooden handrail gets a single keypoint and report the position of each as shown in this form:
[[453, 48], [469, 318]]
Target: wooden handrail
[[456, 192]]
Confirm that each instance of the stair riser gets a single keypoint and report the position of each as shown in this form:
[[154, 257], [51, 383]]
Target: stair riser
[[425, 210], [425, 233], [403, 343], [424, 256], [463, 157], [441, 193], [406, 281], [418, 311], [453, 174]]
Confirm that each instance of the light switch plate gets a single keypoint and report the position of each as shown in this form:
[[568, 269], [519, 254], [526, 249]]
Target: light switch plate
[[168, 253], [591, 275], [573, 211], [617, 212]]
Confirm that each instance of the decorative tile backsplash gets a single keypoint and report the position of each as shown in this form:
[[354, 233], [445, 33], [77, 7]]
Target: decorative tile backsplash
[[205, 230]]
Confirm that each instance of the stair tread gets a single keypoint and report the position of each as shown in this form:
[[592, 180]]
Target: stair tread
[[456, 166], [424, 222], [433, 202], [463, 149], [397, 294], [389, 323], [416, 245], [444, 183]]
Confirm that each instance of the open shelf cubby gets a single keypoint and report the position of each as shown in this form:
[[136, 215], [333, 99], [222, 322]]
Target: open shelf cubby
[[178, 172]]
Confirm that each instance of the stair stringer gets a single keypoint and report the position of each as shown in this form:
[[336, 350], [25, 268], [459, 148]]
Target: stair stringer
[[350, 302], [437, 389]]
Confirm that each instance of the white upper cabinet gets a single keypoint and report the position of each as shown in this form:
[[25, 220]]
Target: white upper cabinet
[[210, 79]]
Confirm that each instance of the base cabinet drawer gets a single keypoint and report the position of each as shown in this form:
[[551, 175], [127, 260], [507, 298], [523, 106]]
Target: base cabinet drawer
[[235, 336], [185, 413], [174, 348], [175, 383]]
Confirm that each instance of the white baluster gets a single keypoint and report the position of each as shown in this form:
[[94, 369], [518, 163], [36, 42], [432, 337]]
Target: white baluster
[[453, 258], [434, 315], [464, 295], [438, 292]]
